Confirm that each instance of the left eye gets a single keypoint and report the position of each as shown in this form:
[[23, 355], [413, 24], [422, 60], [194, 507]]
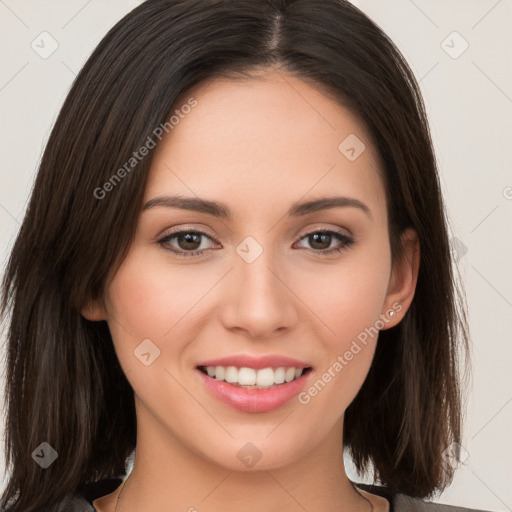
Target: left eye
[[322, 240], [189, 243]]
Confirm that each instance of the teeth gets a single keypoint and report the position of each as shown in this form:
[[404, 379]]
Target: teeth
[[251, 378], [247, 377], [289, 374], [264, 377], [279, 375], [231, 375]]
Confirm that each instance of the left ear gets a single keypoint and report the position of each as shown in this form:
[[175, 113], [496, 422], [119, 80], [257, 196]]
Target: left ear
[[402, 283]]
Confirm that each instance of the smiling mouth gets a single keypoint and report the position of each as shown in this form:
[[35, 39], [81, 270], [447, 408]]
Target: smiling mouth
[[250, 378]]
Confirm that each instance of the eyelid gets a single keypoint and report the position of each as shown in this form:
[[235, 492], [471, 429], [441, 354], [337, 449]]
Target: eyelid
[[341, 231], [314, 229], [187, 229]]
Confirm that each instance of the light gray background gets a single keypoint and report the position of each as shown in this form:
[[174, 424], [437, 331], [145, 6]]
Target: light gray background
[[469, 101]]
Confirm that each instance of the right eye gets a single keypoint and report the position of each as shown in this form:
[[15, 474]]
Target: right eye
[[185, 242]]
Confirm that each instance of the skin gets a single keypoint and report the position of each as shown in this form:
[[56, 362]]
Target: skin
[[257, 145]]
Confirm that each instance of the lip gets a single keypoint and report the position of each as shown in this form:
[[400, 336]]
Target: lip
[[253, 400], [256, 362]]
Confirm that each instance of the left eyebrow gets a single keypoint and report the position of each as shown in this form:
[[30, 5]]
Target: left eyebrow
[[221, 210], [299, 209]]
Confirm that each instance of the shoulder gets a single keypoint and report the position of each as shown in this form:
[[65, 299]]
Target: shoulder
[[404, 503], [88, 493], [73, 503], [76, 503], [81, 500]]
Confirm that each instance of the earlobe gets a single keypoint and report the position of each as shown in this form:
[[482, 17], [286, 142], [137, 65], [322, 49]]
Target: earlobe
[[404, 276], [94, 310]]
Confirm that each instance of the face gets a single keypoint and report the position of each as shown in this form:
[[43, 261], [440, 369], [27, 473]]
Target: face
[[256, 274]]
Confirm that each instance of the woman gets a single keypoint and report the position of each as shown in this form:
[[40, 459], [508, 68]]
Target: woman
[[235, 265]]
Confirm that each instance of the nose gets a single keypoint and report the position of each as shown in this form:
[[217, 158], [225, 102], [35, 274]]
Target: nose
[[259, 301]]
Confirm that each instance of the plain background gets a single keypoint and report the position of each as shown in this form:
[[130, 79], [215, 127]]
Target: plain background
[[468, 94]]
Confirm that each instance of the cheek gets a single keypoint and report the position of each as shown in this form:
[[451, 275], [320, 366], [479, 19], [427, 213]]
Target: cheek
[[347, 351], [347, 297], [149, 296], [349, 300], [149, 299]]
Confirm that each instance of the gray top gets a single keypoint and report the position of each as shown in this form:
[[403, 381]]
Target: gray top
[[82, 502]]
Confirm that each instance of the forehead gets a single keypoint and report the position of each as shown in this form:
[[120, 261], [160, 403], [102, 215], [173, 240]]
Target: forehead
[[273, 138]]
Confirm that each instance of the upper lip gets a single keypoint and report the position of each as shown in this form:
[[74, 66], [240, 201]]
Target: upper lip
[[256, 362]]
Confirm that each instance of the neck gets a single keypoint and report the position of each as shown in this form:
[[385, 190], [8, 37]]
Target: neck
[[168, 476]]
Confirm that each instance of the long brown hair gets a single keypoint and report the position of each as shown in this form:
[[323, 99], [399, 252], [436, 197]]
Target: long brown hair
[[65, 386]]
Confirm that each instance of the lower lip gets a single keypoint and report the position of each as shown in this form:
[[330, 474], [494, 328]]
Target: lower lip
[[254, 400]]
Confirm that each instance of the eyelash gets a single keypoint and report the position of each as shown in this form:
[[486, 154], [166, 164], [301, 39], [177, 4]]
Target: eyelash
[[346, 242]]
